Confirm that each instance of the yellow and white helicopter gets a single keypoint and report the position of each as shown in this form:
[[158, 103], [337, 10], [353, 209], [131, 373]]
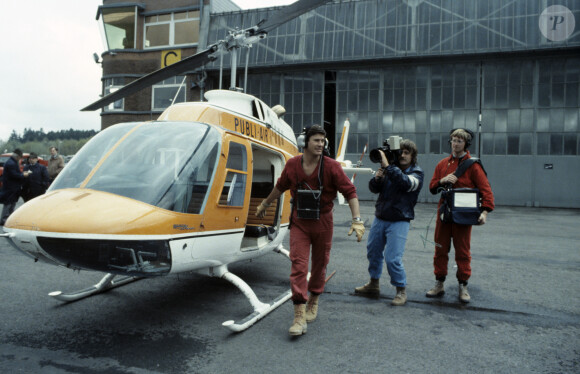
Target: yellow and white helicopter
[[175, 195]]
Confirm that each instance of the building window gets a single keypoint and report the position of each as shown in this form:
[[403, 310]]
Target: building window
[[119, 24], [164, 30], [168, 92], [303, 95], [111, 85]]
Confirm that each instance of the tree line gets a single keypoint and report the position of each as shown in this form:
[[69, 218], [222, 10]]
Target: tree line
[[68, 141]]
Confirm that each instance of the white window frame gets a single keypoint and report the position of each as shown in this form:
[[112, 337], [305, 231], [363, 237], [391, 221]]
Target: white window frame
[[165, 84], [110, 86], [172, 22]]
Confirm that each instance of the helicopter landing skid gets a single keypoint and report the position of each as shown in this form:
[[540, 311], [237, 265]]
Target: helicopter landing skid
[[106, 283], [260, 309]]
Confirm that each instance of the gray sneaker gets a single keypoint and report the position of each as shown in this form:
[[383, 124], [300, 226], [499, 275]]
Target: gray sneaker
[[437, 290]]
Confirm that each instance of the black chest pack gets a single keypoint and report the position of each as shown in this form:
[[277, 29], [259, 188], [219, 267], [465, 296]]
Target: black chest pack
[[461, 205], [307, 199]]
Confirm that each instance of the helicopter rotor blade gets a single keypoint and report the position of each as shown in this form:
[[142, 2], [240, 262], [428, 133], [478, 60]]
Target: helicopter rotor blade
[[286, 14], [187, 64], [277, 19]]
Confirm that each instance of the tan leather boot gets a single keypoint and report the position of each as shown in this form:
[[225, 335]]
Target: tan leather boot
[[312, 308], [299, 325], [370, 289], [437, 291], [463, 294], [400, 298]]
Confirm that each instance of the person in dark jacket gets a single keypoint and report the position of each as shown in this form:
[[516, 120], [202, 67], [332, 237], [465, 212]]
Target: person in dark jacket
[[38, 180], [12, 182], [398, 185]]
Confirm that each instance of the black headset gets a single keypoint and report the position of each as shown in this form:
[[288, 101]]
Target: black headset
[[468, 142], [307, 132]]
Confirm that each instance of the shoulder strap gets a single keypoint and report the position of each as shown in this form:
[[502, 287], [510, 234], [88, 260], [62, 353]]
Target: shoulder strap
[[321, 172], [466, 164]]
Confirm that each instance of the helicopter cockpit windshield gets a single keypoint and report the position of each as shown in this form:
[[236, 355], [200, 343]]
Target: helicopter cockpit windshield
[[167, 164]]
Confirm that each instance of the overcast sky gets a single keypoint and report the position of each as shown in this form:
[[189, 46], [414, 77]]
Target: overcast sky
[[48, 73]]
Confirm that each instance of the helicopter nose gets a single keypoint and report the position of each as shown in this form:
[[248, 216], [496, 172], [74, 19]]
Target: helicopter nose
[[87, 229], [86, 211]]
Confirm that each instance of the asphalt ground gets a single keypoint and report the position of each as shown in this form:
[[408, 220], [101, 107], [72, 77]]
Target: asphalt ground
[[524, 316]]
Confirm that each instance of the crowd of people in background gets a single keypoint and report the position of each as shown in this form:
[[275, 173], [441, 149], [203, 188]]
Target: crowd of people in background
[[28, 179]]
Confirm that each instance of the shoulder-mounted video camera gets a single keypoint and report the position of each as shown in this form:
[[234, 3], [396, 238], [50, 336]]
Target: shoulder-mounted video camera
[[392, 149]]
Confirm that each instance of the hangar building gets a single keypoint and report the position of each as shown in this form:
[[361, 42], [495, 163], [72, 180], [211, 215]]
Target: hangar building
[[507, 70]]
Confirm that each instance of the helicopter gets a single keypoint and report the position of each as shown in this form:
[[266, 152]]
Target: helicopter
[[149, 199]]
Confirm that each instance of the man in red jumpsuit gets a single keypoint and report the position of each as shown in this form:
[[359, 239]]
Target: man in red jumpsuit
[[474, 177], [304, 172]]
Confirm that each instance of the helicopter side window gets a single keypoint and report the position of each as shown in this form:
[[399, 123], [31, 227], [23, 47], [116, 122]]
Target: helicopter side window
[[200, 180], [191, 184], [266, 110], [234, 188], [257, 110]]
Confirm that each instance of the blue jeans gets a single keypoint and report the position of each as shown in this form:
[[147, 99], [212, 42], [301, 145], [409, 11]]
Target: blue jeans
[[387, 242]]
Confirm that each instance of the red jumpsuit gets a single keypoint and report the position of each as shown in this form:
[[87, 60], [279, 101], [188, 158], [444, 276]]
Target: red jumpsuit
[[307, 232], [474, 177]]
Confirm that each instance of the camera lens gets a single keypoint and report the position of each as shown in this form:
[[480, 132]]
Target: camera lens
[[375, 156]]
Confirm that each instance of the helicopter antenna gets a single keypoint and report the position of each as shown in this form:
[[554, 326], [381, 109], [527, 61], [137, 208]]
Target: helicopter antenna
[[178, 90]]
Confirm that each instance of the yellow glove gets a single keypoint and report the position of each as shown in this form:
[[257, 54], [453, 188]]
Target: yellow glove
[[261, 210], [359, 228]]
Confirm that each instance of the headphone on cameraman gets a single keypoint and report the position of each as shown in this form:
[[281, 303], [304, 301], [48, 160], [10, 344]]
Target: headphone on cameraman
[[467, 142]]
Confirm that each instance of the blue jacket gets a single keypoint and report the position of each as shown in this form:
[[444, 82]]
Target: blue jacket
[[12, 180], [37, 182], [398, 193]]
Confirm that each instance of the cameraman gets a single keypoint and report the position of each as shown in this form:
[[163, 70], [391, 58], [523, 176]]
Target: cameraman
[[398, 185]]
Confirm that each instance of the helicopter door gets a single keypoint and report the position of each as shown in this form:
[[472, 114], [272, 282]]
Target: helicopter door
[[266, 169]]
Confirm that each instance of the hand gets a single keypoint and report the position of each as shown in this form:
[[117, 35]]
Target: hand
[[384, 159], [359, 228], [379, 174], [261, 210], [450, 178], [482, 218]]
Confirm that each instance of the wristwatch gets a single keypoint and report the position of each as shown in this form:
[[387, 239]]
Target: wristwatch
[[357, 219]]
